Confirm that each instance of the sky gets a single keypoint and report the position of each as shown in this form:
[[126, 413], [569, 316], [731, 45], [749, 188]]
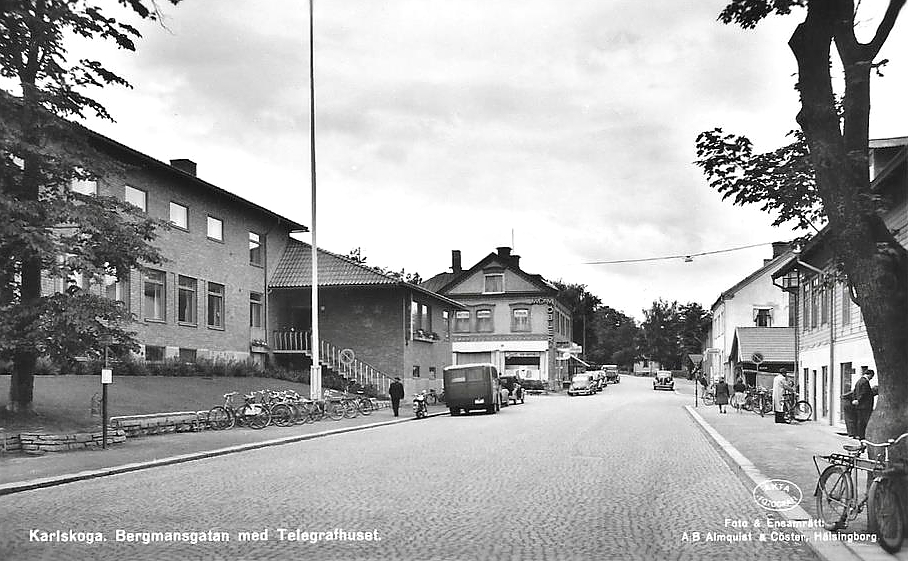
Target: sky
[[565, 129]]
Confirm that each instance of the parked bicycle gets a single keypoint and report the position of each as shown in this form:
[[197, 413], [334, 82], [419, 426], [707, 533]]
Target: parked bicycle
[[796, 409], [251, 413], [837, 496]]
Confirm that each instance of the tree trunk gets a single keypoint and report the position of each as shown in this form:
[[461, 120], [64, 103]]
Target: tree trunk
[[875, 263]]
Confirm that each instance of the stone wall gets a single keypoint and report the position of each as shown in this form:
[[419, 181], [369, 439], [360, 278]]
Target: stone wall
[[38, 443]]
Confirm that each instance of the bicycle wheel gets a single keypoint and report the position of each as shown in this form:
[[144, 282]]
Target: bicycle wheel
[[219, 418], [282, 415], [748, 404], [835, 495], [708, 398], [802, 411], [351, 411], [257, 417], [886, 514], [365, 406], [335, 411]]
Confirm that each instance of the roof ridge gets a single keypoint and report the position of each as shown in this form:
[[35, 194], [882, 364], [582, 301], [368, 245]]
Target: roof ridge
[[350, 261]]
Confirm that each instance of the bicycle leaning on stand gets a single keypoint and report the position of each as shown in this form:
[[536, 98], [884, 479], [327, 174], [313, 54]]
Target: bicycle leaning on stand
[[837, 496], [255, 415]]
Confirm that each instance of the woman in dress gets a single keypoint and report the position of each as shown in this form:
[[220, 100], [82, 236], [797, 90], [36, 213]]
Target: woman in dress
[[722, 395], [740, 387]]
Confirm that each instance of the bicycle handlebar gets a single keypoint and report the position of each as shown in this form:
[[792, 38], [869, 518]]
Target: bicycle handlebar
[[891, 442]]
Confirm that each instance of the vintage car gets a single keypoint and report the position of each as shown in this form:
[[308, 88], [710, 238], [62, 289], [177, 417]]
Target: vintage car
[[611, 374], [512, 383], [581, 384], [663, 380]]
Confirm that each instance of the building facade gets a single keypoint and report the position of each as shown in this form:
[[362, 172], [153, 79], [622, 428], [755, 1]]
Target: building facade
[[511, 319], [209, 298], [752, 302], [833, 346]]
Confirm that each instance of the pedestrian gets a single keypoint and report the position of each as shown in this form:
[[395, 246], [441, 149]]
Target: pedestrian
[[740, 387], [780, 385], [722, 395], [396, 391], [862, 400]]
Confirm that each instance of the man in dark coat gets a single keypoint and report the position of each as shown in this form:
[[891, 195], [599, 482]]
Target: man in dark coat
[[396, 391], [862, 400]]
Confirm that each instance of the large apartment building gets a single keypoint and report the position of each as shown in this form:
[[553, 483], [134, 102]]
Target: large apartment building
[[209, 298]]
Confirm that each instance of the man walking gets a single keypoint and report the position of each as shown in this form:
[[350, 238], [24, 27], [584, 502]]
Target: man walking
[[862, 400], [396, 391]]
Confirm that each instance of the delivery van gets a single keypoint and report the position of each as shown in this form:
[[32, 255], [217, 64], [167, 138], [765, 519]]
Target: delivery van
[[472, 386]]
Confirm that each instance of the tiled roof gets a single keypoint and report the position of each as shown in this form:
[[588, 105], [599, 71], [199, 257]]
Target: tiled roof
[[437, 282], [776, 344], [294, 270]]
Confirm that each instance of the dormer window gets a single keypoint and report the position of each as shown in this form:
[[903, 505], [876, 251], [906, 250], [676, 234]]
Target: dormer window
[[494, 283]]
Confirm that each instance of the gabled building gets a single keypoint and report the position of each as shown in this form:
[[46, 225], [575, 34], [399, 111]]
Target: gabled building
[[759, 353], [511, 318], [393, 328], [752, 302], [833, 347]]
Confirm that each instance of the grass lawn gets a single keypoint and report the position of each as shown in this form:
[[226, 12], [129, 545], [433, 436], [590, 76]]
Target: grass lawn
[[63, 403]]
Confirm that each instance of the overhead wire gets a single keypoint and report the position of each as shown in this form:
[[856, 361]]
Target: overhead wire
[[685, 256]]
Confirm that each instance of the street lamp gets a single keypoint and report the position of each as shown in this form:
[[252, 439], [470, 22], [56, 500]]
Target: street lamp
[[791, 283]]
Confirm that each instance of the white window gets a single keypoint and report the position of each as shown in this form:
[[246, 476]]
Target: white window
[[256, 306], [179, 215], [215, 228], [187, 300], [85, 186], [484, 321], [461, 322], [763, 317], [215, 305], [154, 295], [255, 249], [520, 319], [137, 197], [116, 289], [494, 283]]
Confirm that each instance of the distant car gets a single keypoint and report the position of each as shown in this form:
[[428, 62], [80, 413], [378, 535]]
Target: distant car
[[581, 384], [611, 374], [664, 380], [512, 383]]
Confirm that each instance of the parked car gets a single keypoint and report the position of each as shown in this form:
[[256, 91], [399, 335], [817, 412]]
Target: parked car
[[472, 386], [611, 374], [533, 386], [663, 380], [512, 383], [581, 384]]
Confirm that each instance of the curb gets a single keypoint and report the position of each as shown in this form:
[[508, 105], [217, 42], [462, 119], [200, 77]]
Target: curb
[[750, 476], [20, 486]]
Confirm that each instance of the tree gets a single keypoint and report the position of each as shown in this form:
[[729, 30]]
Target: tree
[[828, 166], [48, 230], [658, 338], [693, 323], [614, 337], [356, 255]]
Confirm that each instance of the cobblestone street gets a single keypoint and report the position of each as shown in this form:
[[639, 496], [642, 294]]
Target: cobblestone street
[[620, 475]]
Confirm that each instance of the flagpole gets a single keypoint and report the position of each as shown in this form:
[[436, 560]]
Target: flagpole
[[315, 373]]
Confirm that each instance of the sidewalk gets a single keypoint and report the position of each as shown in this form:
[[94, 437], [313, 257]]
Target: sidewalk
[[756, 448], [19, 472]]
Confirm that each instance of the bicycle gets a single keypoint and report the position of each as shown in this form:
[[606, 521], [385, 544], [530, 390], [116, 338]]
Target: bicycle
[[796, 409], [278, 404], [255, 415], [331, 408], [836, 495]]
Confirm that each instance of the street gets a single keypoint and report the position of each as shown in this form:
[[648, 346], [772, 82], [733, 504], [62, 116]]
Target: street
[[624, 474]]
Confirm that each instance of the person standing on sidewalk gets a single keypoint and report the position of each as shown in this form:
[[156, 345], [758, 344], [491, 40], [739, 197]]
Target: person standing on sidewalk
[[396, 391], [722, 395], [862, 400], [740, 387], [780, 385]]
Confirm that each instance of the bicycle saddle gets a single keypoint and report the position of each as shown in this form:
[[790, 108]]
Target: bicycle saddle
[[853, 447]]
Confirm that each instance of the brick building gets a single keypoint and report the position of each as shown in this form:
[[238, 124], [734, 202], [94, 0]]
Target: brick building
[[209, 299], [392, 326], [512, 318]]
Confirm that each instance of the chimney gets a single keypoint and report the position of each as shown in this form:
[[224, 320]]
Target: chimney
[[184, 165], [504, 253], [515, 261], [455, 261], [778, 248]]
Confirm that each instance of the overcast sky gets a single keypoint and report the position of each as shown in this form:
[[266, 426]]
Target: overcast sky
[[451, 124]]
